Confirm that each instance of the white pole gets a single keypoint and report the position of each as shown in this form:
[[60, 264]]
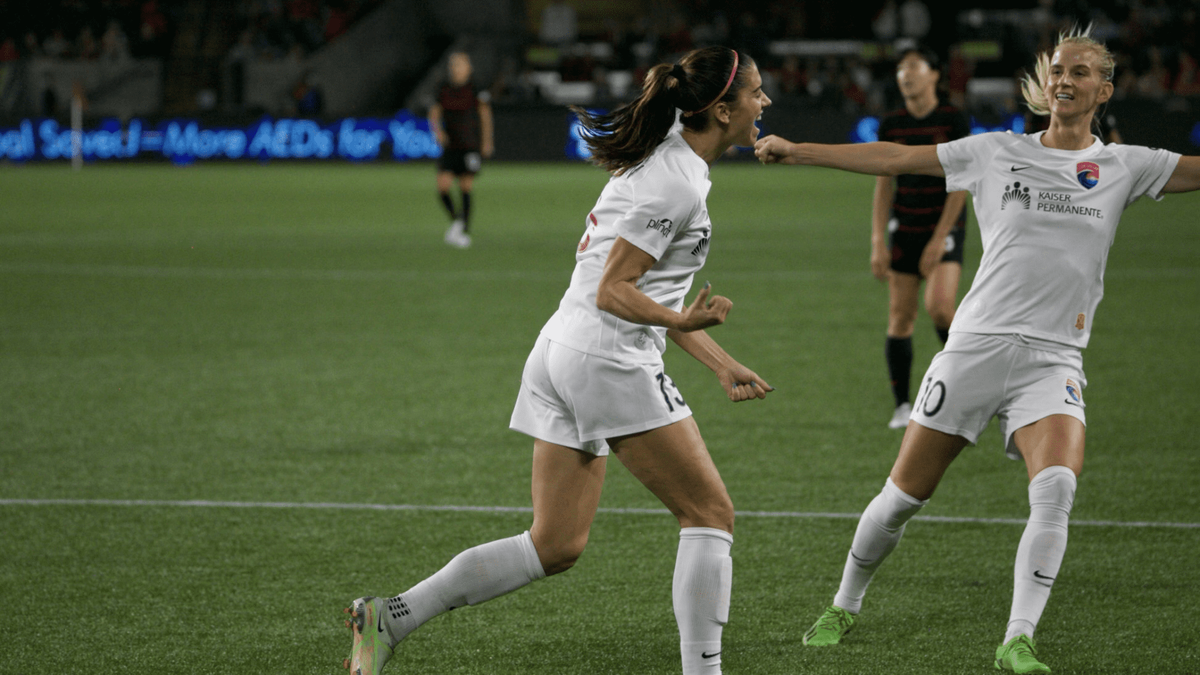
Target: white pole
[[76, 131]]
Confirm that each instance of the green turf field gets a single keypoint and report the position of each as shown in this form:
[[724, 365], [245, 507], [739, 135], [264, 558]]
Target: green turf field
[[301, 335]]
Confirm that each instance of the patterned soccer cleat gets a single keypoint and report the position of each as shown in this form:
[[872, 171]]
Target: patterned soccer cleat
[[1018, 655], [830, 628], [370, 650]]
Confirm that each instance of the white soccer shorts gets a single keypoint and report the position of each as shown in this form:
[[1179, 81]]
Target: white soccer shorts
[[1015, 379], [578, 400]]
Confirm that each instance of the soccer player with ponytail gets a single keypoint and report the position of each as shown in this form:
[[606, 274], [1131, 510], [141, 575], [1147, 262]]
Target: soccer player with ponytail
[[1048, 206], [595, 382]]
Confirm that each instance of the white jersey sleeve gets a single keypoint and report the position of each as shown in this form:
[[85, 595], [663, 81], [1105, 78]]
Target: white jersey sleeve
[[965, 161], [662, 202], [1151, 168]]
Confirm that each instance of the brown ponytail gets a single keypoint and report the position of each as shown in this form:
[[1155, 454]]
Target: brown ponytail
[[623, 138]]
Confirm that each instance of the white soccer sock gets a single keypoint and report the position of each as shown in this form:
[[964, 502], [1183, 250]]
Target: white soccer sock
[[1040, 554], [476, 575], [700, 591], [879, 530]]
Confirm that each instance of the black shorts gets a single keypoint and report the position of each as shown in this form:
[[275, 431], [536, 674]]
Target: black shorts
[[460, 162], [907, 248]]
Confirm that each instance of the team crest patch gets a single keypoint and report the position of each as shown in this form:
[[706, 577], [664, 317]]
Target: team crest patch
[[1074, 393], [1088, 174]]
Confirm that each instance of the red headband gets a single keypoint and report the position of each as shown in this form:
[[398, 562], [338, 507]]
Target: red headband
[[727, 83]]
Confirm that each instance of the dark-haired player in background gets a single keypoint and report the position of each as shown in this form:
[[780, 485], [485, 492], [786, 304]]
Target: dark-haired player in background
[[461, 120], [925, 227]]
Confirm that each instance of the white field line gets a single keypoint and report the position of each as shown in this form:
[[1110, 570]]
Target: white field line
[[291, 274], [201, 503]]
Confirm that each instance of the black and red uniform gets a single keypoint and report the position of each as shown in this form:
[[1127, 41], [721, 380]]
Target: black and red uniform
[[919, 200], [460, 120]]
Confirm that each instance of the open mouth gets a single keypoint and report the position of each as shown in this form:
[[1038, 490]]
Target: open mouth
[[1065, 97]]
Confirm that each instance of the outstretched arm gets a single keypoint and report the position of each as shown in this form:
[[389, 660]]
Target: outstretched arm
[[739, 382], [876, 159], [1186, 177]]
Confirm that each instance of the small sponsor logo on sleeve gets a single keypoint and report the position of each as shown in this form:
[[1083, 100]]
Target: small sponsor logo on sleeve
[[663, 226], [1080, 321]]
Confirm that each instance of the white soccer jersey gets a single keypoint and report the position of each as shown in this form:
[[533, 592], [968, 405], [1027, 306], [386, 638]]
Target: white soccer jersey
[[659, 207], [1047, 219]]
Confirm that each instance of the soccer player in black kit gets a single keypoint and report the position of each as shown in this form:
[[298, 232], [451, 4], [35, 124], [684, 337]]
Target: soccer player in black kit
[[917, 230], [461, 120]]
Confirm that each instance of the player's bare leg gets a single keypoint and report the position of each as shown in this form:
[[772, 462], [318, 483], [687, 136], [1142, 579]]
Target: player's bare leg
[[674, 464], [566, 492], [903, 293], [925, 454], [941, 294]]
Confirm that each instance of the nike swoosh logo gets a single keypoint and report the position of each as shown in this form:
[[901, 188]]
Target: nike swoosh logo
[[706, 655], [1016, 168], [1067, 400], [1038, 574], [380, 626]]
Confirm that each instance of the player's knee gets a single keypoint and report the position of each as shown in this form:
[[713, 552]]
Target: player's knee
[[716, 513], [942, 313], [901, 327], [1053, 487], [562, 554]]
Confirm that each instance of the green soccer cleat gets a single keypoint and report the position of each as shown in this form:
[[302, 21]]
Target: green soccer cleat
[[1018, 655], [829, 629], [370, 650]]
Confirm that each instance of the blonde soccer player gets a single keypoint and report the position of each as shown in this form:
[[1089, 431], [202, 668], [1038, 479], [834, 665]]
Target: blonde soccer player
[[1048, 206]]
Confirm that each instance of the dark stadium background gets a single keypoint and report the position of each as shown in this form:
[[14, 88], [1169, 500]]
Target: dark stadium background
[[228, 64]]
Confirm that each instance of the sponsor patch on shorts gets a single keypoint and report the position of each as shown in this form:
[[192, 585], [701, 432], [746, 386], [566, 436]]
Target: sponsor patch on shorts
[[1074, 393]]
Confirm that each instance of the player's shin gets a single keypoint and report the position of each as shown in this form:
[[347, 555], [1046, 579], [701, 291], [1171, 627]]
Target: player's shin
[[471, 577], [1043, 544], [700, 590], [879, 531]]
